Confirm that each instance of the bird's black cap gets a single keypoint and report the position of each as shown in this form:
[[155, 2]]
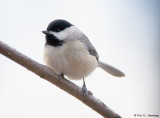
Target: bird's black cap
[[58, 25]]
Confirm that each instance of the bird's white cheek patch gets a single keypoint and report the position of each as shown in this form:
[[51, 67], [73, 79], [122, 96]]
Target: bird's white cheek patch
[[71, 32], [60, 35]]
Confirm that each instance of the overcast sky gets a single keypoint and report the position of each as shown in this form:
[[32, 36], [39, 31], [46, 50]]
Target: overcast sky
[[125, 34]]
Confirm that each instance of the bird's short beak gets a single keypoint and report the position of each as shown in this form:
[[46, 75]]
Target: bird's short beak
[[46, 32]]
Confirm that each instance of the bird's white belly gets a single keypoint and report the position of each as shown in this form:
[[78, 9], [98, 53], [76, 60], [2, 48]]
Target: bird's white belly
[[71, 59]]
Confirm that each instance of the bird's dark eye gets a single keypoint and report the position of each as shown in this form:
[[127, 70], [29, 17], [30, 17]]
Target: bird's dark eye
[[58, 30]]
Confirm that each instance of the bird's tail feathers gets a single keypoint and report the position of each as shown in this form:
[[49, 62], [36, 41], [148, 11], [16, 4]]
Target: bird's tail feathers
[[110, 69]]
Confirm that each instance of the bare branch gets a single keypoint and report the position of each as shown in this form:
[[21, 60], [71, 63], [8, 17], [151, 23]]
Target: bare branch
[[46, 73]]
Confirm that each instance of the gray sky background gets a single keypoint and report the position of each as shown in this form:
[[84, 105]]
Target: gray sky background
[[125, 34]]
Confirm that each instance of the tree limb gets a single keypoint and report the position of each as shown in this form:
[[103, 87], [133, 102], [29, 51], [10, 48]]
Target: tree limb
[[46, 73]]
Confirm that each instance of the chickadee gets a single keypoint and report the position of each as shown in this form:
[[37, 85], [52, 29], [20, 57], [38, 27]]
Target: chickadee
[[69, 52]]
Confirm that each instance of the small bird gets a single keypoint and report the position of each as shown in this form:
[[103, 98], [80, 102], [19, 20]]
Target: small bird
[[69, 52]]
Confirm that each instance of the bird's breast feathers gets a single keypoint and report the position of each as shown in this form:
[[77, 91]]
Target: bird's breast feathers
[[72, 59]]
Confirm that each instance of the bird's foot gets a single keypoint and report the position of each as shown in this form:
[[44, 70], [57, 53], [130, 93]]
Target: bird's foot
[[84, 88], [61, 76]]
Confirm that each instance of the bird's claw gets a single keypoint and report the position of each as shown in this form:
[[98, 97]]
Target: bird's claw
[[61, 76]]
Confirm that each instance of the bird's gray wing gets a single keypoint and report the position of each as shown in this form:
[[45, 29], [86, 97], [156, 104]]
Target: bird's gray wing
[[91, 49], [84, 39]]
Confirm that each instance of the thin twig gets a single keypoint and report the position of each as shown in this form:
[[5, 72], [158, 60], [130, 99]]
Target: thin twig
[[46, 73]]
